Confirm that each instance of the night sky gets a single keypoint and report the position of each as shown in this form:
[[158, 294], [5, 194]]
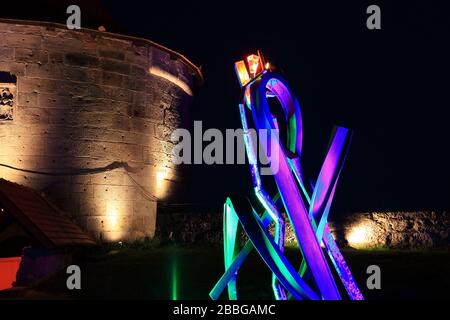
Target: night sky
[[390, 86]]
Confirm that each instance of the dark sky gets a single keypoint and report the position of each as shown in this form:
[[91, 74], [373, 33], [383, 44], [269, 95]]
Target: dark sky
[[391, 86]]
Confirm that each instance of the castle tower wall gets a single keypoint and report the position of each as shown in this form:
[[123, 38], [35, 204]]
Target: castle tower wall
[[90, 123]]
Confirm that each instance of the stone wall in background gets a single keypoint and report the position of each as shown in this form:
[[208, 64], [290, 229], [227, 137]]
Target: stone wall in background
[[189, 224], [422, 229], [360, 230], [91, 118]]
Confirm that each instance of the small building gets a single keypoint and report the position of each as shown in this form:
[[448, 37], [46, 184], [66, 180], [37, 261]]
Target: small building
[[36, 240]]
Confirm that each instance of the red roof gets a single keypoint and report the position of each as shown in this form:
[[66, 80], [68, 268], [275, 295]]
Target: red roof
[[38, 217]]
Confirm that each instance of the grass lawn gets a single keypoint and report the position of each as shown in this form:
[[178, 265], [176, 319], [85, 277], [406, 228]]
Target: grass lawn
[[189, 272]]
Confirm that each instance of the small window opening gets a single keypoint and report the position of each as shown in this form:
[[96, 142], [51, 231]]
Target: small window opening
[[8, 93]]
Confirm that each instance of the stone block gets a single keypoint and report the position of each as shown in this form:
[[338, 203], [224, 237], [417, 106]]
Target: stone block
[[82, 74], [114, 178], [80, 60], [46, 100], [27, 99], [6, 54], [155, 113], [115, 66], [62, 42], [46, 71], [112, 79], [28, 55], [163, 132], [16, 40], [16, 68], [138, 72], [111, 54]]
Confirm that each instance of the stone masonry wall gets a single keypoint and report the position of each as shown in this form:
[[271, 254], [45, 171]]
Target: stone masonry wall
[[397, 230], [422, 229], [91, 124]]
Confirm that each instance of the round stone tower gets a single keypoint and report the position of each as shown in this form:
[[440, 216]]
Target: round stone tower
[[86, 119]]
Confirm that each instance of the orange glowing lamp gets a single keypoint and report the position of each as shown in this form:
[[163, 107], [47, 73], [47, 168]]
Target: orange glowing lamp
[[241, 71], [254, 64], [250, 68]]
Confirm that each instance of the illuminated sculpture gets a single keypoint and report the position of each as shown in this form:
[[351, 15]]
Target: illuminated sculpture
[[306, 210]]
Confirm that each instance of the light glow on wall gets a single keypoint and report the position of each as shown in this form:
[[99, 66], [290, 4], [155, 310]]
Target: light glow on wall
[[162, 184], [113, 218], [359, 236], [161, 175], [171, 78]]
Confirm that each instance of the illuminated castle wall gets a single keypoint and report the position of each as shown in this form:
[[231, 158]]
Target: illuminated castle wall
[[89, 121]]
